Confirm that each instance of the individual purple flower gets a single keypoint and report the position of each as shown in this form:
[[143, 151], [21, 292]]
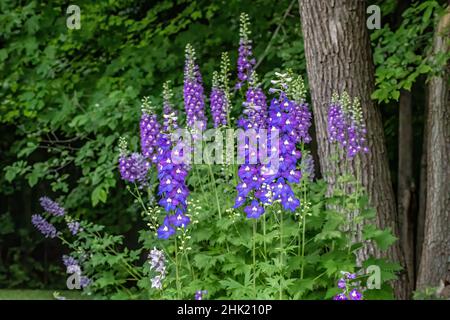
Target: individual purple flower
[[350, 275], [355, 295], [245, 62], [165, 231], [340, 296], [149, 130], [194, 102], [51, 207], [45, 227], [179, 220], [254, 210], [199, 294], [84, 281], [74, 227], [134, 168], [342, 284]]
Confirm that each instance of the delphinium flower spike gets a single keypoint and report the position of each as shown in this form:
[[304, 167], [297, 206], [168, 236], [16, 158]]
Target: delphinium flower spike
[[170, 122], [194, 102], [285, 117], [149, 130], [172, 186], [246, 62], [218, 102], [254, 118], [346, 125]]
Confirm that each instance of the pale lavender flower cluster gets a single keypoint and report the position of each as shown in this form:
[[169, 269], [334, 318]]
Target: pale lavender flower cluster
[[157, 262], [72, 266], [349, 290], [194, 102], [346, 125], [52, 207], [74, 227], [45, 227]]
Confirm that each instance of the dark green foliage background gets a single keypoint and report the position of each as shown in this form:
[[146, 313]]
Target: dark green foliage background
[[67, 95]]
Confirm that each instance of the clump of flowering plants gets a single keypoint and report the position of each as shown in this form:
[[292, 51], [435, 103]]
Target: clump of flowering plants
[[262, 227]]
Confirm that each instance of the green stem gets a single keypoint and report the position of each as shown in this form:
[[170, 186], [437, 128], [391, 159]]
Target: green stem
[[281, 253], [264, 233], [177, 276], [213, 180], [254, 258]]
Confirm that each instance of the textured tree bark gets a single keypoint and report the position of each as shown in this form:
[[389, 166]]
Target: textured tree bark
[[420, 225], [434, 264], [339, 58], [406, 186]]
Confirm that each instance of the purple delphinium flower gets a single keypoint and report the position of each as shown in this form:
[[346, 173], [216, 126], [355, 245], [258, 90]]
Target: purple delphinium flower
[[149, 132], [74, 227], [350, 276], [134, 168], [355, 295], [165, 231], [340, 296], [342, 284], [218, 102], [245, 62], [194, 102], [254, 210], [51, 207], [45, 227], [199, 294]]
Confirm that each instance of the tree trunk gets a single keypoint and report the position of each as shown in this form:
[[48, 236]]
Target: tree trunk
[[406, 186], [434, 262], [339, 58], [420, 225]]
